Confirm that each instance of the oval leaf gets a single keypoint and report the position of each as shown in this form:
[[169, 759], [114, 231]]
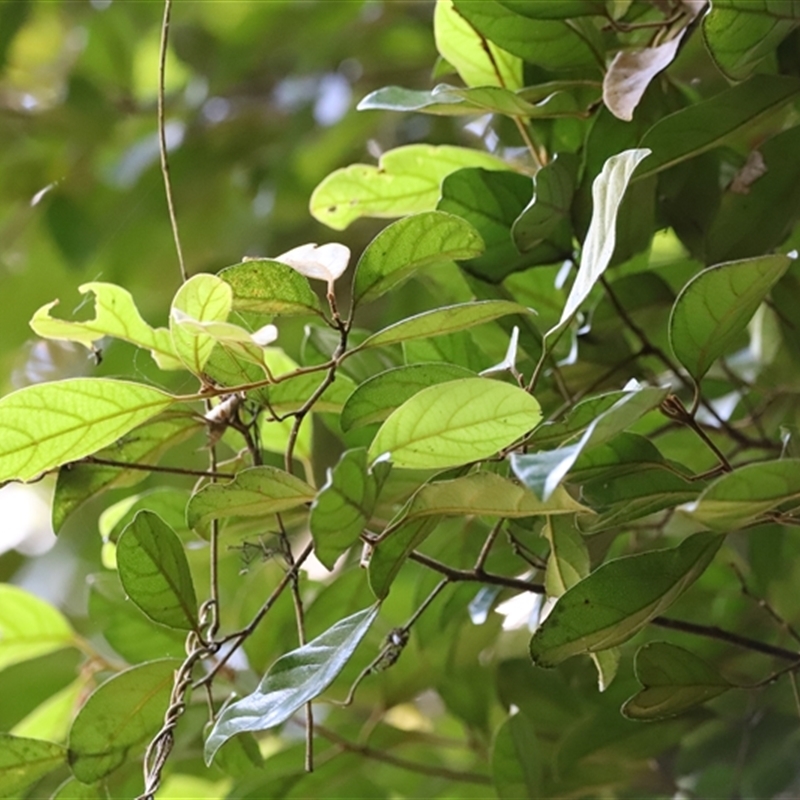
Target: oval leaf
[[24, 761], [456, 423], [411, 244], [674, 681], [254, 492], [715, 307], [741, 496], [155, 573], [292, 681], [47, 425], [120, 715], [616, 600], [29, 627], [441, 321], [269, 287], [406, 181]]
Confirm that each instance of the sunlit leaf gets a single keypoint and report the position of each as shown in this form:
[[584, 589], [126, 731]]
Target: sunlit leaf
[[568, 562], [155, 573], [292, 681], [616, 600], [52, 719], [517, 759], [29, 626], [203, 298], [269, 287], [406, 181], [254, 492], [377, 397], [674, 681], [478, 62], [49, 424], [344, 505], [24, 761], [456, 423], [741, 496], [412, 244], [73, 789], [704, 125], [115, 315], [715, 307], [606, 662], [120, 716], [441, 321], [740, 33], [608, 190]]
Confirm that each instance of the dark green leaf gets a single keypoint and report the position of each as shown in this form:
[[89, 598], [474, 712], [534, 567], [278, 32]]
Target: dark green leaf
[[269, 287], [715, 307], [616, 600], [674, 681], [292, 681], [25, 761], [556, 9], [121, 715], [155, 573], [516, 759]]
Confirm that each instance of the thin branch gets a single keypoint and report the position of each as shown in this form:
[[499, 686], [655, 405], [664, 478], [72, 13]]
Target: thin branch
[[199, 473], [480, 563], [162, 136]]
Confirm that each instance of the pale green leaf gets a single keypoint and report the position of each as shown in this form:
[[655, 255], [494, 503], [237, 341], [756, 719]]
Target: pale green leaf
[[73, 789], [49, 424], [456, 423], [406, 181], [292, 681], [441, 321], [608, 189], [477, 61], [115, 315], [203, 298], [715, 307], [119, 718], [606, 662], [254, 492], [268, 287], [674, 681], [344, 504], [486, 494], [381, 394], [29, 627], [568, 562], [24, 761], [705, 125], [409, 245], [620, 597], [740, 497], [155, 574]]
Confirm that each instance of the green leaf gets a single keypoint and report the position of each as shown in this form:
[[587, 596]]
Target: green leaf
[[155, 573], [29, 627], [344, 505], [409, 245], [608, 190], [620, 597], [456, 423], [625, 453], [254, 492], [269, 287], [406, 181], [492, 202], [381, 394], [568, 562], [705, 125], [144, 445], [553, 44], [715, 307], [291, 394], [556, 9], [47, 425], [203, 298], [674, 681], [119, 717], [606, 662], [516, 759], [478, 62], [740, 33], [52, 719], [292, 681], [73, 789], [738, 498], [442, 321], [486, 494], [115, 315], [543, 471], [25, 761]]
